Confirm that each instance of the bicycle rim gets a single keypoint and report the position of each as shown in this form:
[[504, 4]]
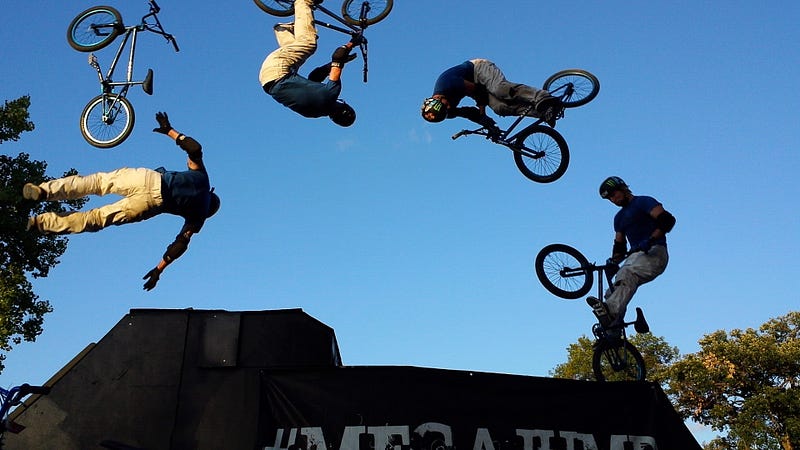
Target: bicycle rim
[[550, 264], [360, 12], [551, 154], [107, 120], [618, 362], [577, 87], [280, 8]]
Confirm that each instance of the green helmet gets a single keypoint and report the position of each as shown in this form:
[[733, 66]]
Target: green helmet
[[435, 108], [610, 185]]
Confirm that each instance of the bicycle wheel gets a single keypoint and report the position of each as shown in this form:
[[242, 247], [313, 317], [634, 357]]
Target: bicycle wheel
[[562, 270], [583, 87], [374, 11], [617, 361], [94, 28], [550, 148], [280, 8], [107, 120]]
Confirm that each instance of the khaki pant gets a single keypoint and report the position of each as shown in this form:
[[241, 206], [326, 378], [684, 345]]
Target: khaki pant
[[505, 98], [296, 43], [140, 189], [638, 269]]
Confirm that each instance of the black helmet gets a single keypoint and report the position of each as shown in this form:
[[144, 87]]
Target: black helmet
[[213, 203], [342, 114], [610, 185], [435, 108]]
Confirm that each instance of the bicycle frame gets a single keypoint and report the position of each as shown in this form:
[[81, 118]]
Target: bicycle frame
[[352, 30], [505, 137], [106, 83]]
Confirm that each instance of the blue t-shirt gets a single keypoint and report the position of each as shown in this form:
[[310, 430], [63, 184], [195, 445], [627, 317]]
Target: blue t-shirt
[[635, 222], [305, 97], [451, 82], [186, 194]]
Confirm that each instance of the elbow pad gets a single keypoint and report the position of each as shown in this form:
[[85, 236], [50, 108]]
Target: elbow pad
[[190, 146], [176, 249], [665, 221]]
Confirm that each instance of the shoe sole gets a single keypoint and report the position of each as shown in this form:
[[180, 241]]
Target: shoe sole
[[32, 192]]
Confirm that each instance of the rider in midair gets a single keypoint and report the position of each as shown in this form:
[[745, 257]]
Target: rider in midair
[[482, 80], [643, 223]]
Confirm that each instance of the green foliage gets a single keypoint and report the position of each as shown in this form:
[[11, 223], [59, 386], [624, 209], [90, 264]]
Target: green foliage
[[23, 253], [14, 119], [746, 382], [655, 350]]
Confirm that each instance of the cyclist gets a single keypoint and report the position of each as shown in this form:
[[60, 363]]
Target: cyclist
[[146, 193], [643, 222], [482, 80], [308, 97]]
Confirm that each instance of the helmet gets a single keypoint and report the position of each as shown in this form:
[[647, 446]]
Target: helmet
[[342, 114], [213, 203], [435, 108], [610, 185]]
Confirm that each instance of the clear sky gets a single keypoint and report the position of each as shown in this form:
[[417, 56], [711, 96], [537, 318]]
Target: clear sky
[[416, 249]]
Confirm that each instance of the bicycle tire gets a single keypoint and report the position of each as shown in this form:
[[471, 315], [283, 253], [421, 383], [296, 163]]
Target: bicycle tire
[[586, 86], [606, 355], [378, 10], [541, 139], [280, 8], [549, 263], [107, 133], [83, 38]]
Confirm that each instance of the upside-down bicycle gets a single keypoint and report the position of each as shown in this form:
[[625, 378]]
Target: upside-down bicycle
[[107, 120], [356, 15], [13, 397], [565, 272], [540, 152]]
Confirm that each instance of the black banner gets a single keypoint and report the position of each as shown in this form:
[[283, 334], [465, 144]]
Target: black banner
[[402, 408]]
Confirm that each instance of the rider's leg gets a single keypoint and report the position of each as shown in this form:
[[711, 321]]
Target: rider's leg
[[490, 76], [638, 269], [297, 44], [141, 189]]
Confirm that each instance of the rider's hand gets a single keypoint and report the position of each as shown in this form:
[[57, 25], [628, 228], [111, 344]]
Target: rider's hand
[[490, 125], [163, 124], [152, 278], [342, 56]]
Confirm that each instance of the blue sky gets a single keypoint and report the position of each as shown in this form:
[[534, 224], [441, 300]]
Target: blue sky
[[416, 249]]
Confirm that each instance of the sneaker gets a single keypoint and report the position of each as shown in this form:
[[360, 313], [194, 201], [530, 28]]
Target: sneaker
[[549, 110], [600, 311], [33, 192]]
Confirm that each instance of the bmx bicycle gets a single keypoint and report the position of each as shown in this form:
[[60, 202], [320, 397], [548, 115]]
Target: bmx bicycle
[[566, 273], [356, 16], [540, 152], [107, 120], [13, 397]]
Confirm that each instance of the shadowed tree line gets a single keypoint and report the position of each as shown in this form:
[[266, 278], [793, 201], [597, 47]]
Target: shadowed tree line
[[23, 254], [745, 383]]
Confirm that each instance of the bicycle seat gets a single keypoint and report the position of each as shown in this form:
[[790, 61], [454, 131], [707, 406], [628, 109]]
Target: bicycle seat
[[640, 325]]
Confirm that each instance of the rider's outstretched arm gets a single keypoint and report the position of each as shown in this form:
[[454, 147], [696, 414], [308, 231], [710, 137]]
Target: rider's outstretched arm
[[474, 114]]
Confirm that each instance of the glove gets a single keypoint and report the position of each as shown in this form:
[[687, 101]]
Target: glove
[[490, 125], [612, 267], [163, 123], [341, 56], [152, 279]]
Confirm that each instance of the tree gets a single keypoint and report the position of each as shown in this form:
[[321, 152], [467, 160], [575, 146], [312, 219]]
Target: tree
[[746, 382], [657, 354], [23, 253]]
